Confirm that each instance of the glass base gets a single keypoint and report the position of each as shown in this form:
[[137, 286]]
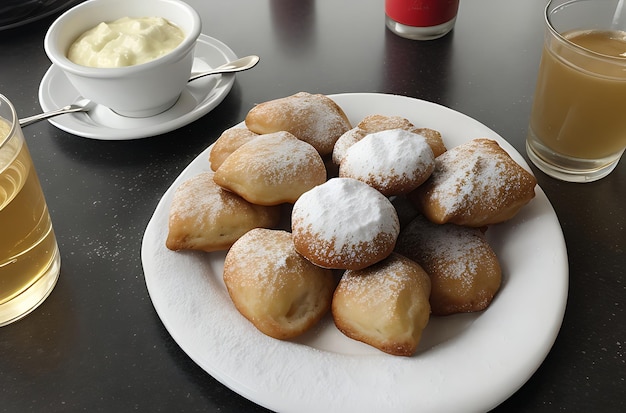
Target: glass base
[[36, 294], [419, 33], [566, 168]]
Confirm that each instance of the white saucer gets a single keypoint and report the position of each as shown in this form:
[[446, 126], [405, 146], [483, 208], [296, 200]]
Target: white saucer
[[198, 99]]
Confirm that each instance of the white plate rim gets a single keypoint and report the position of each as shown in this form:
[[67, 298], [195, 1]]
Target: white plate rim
[[473, 371], [56, 91]]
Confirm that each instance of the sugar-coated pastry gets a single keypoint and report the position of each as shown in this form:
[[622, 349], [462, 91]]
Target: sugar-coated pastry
[[385, 305], [230, 140], [434, 139], [313, 118], [475, 184], [205, 217], [464, 270], [344, 224], [272, 169], [378, 123], [393, 161], [344, 142], [270, 284]]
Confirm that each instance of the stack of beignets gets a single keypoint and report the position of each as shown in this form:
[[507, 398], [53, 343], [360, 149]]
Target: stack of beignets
[[394, 278]]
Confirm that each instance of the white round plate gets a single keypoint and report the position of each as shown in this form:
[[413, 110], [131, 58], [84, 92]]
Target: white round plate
[[198, 99], [467, 362]]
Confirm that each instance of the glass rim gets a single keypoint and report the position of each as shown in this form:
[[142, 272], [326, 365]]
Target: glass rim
[[550, 9], [5, 139]]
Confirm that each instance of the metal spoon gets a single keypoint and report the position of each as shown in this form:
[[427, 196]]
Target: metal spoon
[[85, 105]]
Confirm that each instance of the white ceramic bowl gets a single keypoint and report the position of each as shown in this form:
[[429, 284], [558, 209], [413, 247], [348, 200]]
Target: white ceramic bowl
[[137, 91]]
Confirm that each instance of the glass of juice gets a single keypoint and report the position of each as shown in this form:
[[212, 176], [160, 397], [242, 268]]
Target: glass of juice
[[29, 255], [577, 130]]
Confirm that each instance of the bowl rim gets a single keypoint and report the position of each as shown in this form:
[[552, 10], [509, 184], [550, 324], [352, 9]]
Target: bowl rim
[[59, 58]]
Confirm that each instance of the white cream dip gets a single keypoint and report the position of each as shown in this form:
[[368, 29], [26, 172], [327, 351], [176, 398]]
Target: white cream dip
[[125, 42]]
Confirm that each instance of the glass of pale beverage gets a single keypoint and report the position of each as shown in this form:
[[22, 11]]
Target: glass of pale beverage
[[577, 127], [29, 255]]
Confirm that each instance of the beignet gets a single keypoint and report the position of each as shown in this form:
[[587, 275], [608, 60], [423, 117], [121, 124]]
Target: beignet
[[272, 169], [463, 268], [393, 161], [270, 284], [205, 217], [313, 118], [229, 141], [384, 305], [344, 224], [378, 123], [475, 184]]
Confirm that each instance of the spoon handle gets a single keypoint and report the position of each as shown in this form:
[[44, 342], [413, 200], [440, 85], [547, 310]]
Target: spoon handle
[[238, 65], [79, 106]]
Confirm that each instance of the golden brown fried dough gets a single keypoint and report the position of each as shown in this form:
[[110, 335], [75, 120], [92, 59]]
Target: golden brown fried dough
[[475, 184], [385, 305], [281, 293], [229, 141], [313, 118], [393, 161], [272, 169], [205, 217], [378, 123], [344, 224], [464, 270]]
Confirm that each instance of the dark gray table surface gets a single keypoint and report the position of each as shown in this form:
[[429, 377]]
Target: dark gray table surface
[[97, 344]]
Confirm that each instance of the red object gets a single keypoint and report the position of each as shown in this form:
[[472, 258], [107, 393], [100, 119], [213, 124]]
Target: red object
[[421, 13]]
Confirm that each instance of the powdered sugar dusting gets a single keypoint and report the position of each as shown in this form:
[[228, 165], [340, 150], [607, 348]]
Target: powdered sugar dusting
[[195, 199], [276, 158], [345, 141], [320, 121], [267, 251], [272, 169], [469, 174], [381, 282], [389, 159], [313, 118], [345, 216], [446, 249]]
